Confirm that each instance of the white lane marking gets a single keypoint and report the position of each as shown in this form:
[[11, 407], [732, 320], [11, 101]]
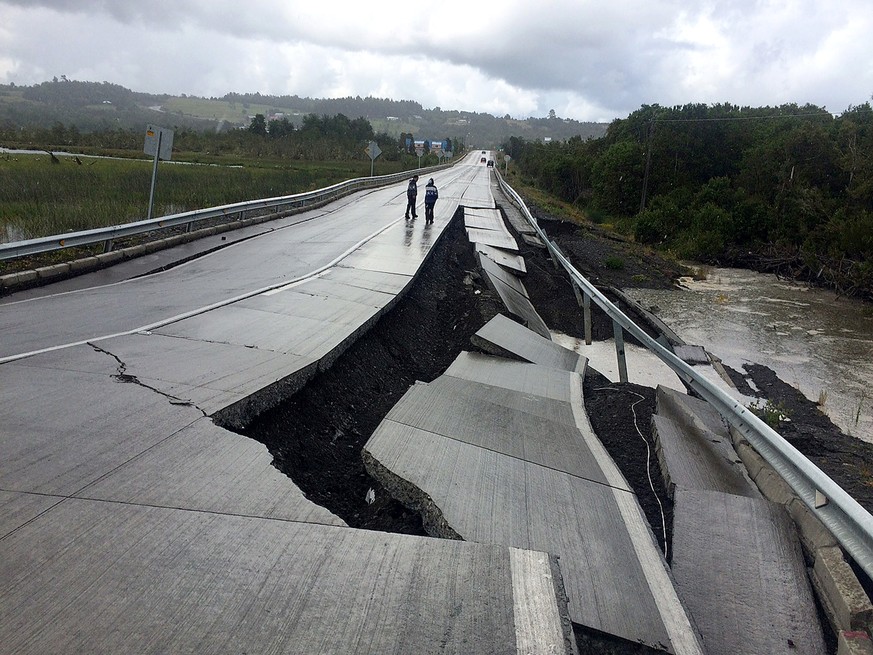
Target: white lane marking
[[274, 288]]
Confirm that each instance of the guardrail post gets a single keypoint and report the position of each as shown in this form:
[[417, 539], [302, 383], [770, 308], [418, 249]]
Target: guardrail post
[[107, 245], [577, 293], [619, 351], [584, 301], [586, 316]]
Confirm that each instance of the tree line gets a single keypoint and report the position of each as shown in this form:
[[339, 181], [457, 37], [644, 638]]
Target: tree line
[[787, 189], [315, 138]]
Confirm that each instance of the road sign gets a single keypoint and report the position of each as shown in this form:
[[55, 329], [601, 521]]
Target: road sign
[[374, 151], [159, 138]]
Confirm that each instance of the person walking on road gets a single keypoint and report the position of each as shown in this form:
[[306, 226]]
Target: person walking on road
[[411, 195], [430, 197]]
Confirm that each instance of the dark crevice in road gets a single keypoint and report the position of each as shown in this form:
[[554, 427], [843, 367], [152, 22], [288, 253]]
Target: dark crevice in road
[[124, 377], [317, 435]]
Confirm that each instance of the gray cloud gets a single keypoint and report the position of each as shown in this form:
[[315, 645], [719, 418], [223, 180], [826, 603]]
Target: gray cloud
[[587, 59]]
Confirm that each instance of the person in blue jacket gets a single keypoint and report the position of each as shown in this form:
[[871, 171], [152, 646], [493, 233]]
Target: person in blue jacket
[[430, 197], [411, 195]]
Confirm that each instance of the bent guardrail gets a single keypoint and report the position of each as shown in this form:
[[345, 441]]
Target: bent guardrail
[[106, 235], [850, 523]]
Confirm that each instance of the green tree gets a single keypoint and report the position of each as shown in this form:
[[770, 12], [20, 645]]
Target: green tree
[[258, 125]]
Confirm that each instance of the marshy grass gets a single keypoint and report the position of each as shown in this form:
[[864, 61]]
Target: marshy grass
[[41, 198]]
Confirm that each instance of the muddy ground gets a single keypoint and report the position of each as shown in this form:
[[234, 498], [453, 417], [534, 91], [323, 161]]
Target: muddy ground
[[316, 436]]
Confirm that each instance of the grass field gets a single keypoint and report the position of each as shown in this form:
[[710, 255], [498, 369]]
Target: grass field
[[40, 198]]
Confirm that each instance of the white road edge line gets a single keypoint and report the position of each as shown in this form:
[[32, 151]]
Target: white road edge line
[[538, 627], [683, 635]]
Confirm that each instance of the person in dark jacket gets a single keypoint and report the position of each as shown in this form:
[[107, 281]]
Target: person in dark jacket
[[430, 197], [411, 195]]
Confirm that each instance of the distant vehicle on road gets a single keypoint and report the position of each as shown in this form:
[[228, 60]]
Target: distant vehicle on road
[[483, 152], [491, 163], [482, 161]]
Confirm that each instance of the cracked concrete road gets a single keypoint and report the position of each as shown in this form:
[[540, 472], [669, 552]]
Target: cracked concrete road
[[128, 517]]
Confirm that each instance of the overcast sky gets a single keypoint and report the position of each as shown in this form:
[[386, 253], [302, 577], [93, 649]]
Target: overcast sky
[[592, 60]]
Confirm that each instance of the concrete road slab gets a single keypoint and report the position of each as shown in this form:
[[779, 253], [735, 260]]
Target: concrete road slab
[[18, 508], [391, 283], [508, 260], [691, 354], [508, 278], [112, 578], [696, 462], [507, 374], [738, 567], [90, 424], [469, 482], [492, 238], [694, 449], [210, 375], [494, 426], [488, 497], [510, 336], [513, 215], [206, 468], [485, 219], [323, 287], [696, 413], [517, 303], [301, 302], [278, 324], [400, 249], [529, 403], [478, 194]]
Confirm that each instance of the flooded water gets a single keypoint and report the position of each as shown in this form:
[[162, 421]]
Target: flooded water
[[813, 340]]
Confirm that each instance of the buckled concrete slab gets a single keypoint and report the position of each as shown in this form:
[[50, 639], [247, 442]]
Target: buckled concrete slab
[[492, 238], [500, 480], [695, 450], [515, 376], [446, 410], [521, 401], [508, 260], [485, 219], [514, 216], [209, 375], [738, 567], [514, 296], [508, 278], [90, 576], [509, 336]]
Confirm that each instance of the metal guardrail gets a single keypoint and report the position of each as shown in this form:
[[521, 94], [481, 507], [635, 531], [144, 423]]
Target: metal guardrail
[[107, 235], [850, 523]]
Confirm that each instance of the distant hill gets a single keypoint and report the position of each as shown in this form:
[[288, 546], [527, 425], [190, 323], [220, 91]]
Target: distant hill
[[94, 106]]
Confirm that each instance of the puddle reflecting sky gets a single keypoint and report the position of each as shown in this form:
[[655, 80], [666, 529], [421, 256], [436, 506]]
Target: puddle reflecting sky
[[814, 340]]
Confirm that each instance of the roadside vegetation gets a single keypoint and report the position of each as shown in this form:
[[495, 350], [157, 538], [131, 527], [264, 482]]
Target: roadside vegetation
[[45, 194], [42, 198], [786, 190]]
